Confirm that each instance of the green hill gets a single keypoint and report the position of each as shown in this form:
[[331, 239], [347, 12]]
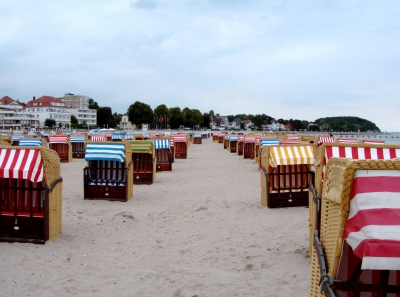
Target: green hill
[[346, 124]]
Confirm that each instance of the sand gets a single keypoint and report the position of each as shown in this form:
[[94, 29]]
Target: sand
[[198, 231]]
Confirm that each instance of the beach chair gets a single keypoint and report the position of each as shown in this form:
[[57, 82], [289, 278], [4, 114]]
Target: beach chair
[[163, 154], [286, 175], [249, 144], [215, 137], [358, 151], [310, 138], [293, 137], [78, 146], [30, 194], [197, 138], [180, 146], [108, 136], [240, 145], [172, 148], [144, 161], [346, 140], [204, 135], [371, 141], [62, 145], [263, 150], [356, 242], [116, 137], [129, 137], [221, 138], [233, 143], [108, 173]]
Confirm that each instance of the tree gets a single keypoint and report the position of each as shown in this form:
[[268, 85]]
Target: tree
[[206, 120], [230, 117], [140, 113], [50, 122], [117, 117], [177, 118], [161, 115], [193, 117], [93, 104], [105, 118], [74, 120], [211, 113], [258, 121]]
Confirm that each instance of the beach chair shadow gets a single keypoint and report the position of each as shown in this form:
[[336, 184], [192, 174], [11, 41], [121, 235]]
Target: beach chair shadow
[[356, 242], [108, 173], [30, 196]]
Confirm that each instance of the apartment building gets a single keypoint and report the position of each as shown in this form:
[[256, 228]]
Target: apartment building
[[13, 115], [79, 107]]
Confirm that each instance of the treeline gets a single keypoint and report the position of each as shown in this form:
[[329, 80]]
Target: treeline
[[344, 124], [163, 117]]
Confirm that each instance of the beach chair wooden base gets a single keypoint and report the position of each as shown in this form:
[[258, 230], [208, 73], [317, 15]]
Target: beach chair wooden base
[[248, 151], [104, 192], [164, 167], [215, 138], [220, 139], [27, 211], [180, 150], [197, 140], [143, 168], [62, 151], [286, 186], [78, 150], [142, 178]]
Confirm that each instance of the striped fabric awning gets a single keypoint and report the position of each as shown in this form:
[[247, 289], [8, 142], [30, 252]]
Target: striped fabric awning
[[325, 139], [98, 138], [197, 135], [77, 138], [347, 140], [373, 225], [17, 137], [117, 137], [241, 139], [359, 153], [21, 164], [367, 141], [233, 138], [264, 142], [179, 138], [105, 152], [172, 141], [250, 139], [291, 155], [142, 146], [293, 137], [58, 139], [108, 135], [129, 137], [30, 142], [162, 143]]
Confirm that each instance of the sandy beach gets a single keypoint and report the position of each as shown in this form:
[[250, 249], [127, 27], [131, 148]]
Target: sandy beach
[[198, 231]]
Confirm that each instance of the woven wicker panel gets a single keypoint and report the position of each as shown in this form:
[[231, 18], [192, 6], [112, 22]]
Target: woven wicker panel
[[55, 212], [314, 276], [264, 200]]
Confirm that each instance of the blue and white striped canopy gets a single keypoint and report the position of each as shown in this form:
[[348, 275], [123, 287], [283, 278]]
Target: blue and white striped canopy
[[30, 142], [77, 139], [129, 137], [233, 138], [116, 136], [146, 136], [17, 137], [269, 142], [105, 152], [162, 143]]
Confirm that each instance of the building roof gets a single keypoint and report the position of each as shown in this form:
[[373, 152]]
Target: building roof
[[46, 101], [8, 100], [247, 122]]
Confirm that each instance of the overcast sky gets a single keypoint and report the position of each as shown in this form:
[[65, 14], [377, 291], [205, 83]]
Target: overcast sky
[[288, 59]]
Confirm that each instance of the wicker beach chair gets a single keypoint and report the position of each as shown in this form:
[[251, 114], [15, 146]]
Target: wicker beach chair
[[215, 137], [144, 161], [62, 145], [163, 154], [263, 150], [78, 145], [221, 137], [232, 146], [197, 138], [6, 138], [108, 173], [240, 145], [356, 242], [310, 138], [180, 146], [358, 151], [30, 194], [286, 175], [249, 144]]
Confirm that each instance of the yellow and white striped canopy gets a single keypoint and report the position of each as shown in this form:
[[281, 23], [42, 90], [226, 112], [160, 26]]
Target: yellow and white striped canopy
[[291, 155]]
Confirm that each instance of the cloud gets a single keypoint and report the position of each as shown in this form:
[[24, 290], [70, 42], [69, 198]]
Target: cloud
[[144, 4]]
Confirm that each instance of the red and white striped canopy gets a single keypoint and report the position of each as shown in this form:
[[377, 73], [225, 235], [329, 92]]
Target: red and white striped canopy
[[250, 139], [373, 224], [347, 140], [367, 141], [58, 139], [179, 138], [98, 138], [325, 139], [21, 164], [293, 137], [359, 153]]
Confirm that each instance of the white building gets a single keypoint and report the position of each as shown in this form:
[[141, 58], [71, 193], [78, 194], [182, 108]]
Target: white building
[[79, 107], [13, 115], [47, 107]]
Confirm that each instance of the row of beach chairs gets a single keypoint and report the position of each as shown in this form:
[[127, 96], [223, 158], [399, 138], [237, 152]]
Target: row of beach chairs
[[352, 189]]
